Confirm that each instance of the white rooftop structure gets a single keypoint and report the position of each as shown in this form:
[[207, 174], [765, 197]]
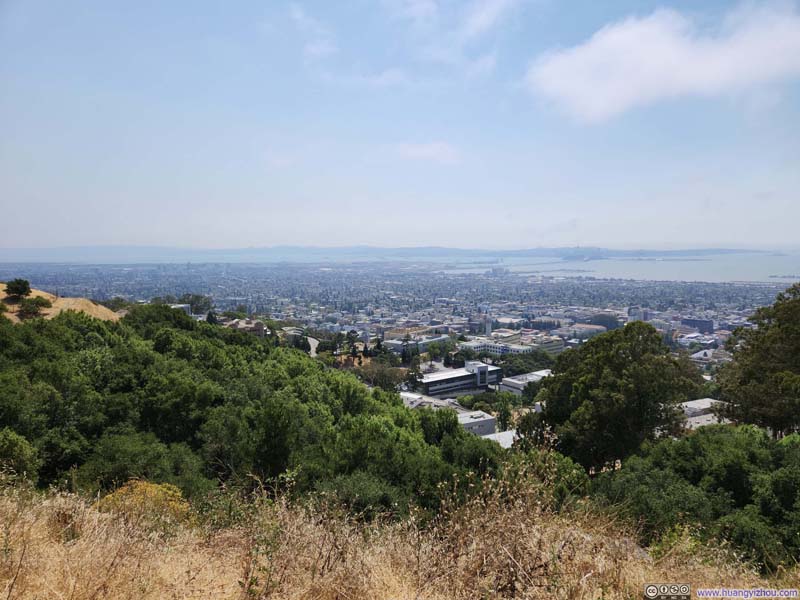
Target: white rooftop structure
[[506, 439], [516, 384], [477, 422], [474, 375], [698, 407], [414, 400], [699, 413]]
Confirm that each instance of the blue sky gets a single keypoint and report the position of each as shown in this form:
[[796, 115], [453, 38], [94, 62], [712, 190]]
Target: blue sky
[[477, 123]]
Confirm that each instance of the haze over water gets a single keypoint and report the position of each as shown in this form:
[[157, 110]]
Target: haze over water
[[768, 268]]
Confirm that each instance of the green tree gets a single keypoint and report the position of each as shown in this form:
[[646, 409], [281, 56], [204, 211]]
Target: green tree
[[608, 321], [32, 307], [17, 454], [762, 384], [614, 392], [503, 412], [18, 288]]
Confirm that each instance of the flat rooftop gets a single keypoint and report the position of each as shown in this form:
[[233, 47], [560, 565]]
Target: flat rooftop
[[445, 374], [472, 416], [528, 377]]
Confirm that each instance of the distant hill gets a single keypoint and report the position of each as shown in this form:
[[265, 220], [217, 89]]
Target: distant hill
[[59, 305], [321, 254]]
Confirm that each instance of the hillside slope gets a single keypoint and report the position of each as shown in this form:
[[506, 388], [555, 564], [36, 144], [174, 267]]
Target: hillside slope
[[59, 305], [503, 544]]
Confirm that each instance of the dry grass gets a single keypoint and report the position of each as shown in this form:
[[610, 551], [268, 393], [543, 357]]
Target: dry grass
[[59, 305], [505, 543]]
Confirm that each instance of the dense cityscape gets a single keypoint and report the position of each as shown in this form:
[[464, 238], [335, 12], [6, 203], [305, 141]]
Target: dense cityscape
[[514, 310]]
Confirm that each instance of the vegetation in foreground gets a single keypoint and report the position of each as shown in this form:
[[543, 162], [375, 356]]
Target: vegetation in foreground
[[506, 541], [87, 406]]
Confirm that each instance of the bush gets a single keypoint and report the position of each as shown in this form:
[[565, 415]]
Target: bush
[[366, 495], [18, 287], [17, 454], [158, 505], [32, 307]]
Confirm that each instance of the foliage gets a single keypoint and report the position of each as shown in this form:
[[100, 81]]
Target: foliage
[[517, 364], [158, 504], [17, 454], [199, 303], [381, 375], [608, 321], [19, 288], [31, 307], [116, 303], [614, 392], [762, 384], [160, 396], [733, 483]]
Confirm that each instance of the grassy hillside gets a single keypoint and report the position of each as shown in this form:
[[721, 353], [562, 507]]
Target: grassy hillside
[[59, 305], [506, 542]]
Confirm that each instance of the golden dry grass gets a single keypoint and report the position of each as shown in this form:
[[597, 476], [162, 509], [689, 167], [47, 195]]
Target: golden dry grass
[[59, 305], [505, 543]]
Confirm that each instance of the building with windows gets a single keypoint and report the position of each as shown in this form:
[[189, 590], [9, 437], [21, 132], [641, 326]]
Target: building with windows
[[493, 346], [474, 376], [418, 343], [477, 422], [516, 384]]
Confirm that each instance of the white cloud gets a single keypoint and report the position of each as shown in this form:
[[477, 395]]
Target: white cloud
[[483, 15], [388, 78], [391, 77], [321, 42], [320, 48], [640, 61], [421, 12], [439, 152], [306, 23]]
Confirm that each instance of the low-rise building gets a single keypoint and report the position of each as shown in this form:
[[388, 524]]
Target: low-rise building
[[418, 343], [506, 439], [474, 375], [493, 346], [413, 400], [517, 383], [700, 413], [477, 422], [257, 328]]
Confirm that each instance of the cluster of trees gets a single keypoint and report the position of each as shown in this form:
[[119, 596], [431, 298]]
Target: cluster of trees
[[18, 292], [200, 304], [615, 399], [734, 483], [611, 394], [762, 384], [162, 397], [517, 364]]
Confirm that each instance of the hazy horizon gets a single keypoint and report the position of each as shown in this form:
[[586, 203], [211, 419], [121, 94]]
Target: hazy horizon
[[486, 124]]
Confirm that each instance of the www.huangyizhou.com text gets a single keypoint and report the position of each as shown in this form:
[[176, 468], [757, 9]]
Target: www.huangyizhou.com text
[[746, 593]]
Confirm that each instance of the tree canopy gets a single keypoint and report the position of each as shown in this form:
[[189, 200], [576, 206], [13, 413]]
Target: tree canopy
[[614, 392], [18, 287], [762, 384], [733, 483], [163, 397]]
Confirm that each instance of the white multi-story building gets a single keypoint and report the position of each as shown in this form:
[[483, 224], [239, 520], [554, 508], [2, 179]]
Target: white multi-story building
[[517, 383], [474, 376]]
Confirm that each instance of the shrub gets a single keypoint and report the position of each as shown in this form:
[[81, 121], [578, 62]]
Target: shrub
[[156, 504], [17, 454], [18, 287]]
